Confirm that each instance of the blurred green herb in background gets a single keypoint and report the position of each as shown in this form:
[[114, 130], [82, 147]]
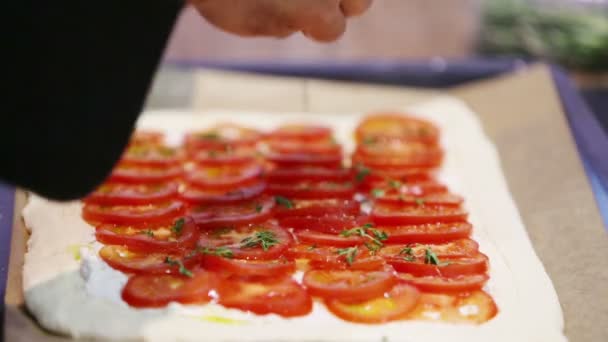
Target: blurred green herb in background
[[572, 33]]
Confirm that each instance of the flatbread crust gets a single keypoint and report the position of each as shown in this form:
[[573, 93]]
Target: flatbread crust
[[71, 291]]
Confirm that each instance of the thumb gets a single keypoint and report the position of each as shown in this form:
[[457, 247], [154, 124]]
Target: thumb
[[323, 23]]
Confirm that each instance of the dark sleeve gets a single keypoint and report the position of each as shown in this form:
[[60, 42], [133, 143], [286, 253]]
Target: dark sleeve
[[78, 73]]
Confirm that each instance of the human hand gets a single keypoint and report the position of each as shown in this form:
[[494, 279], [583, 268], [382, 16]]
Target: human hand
[[322, 20]]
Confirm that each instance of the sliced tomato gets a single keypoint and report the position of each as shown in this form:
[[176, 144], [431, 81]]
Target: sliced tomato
[[309, 173], [328, 224], [381, 127], [334, 258], [370, 177], [317, 208], [249, 268], [214, 215], [394, 190], [465, 283], [224, 176], [424, 158], [313, 190], [246, 242], [427, 233], [321, 147], [151, 156], [311, 237], [438, 199], [350, 286], [301, 132], [136, 215], [195, 196], [124, 173], [394, 305], [146, 137], [282, 296], [475, 307], [453, 249], [234, 157], [222, 137], [179, 236], [385, 214], [135, 194], [152, 291], [446, 267], [301, 159], [123, 259]]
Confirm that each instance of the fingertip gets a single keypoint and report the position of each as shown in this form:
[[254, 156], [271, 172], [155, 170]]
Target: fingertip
[[352, 8], [327, 30]]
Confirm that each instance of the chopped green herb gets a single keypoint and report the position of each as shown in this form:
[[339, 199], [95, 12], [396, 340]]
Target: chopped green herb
[[220, 231], [377, 192], [219, 251], [409, 258], [148, 232], [368, 140], [178, 226], [209, 136], [362, 172], [182, 269], [264, 239], [312, 247], [430, 257], [407, 251], [280, 200], [212, 154], [394, 184], [258, 207], [375, 239], [349, 254], [419, 201]]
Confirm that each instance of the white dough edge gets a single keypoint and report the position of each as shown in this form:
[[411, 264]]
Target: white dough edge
[[81, 298]]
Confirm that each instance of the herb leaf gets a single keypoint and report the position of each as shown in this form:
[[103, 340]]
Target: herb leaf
[[430, 257], [178, 226], [377, 193], [148, 232], [258, 207], [182, 269], [312, 247], [394, 184], [219, 251], [375, 238], [264, 239], [419, 201], [349, 254], [362, 172], [280, 200]]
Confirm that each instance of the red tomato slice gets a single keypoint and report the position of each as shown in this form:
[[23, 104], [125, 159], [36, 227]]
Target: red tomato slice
[[125, 260], [439, 199], [326, 224], [152, 291], [254, 211], [144, 137], [246, 242], [301, 159], [350, 286], [234, 157], [334, 258], [430, 158], [222, 137], [224, 176], [427, 233], [151, 156], [318, 208], [313, 190], [476, 307], [394, 126], [287, 146], [136, 215], [453, 249], [132, 194], [179, 236], [315, 174], [249, 268], [310, 237], [282, 296], [144, 174], [466, 283], [196, 196], [447, 267], [301, 132], [394, 190], [384, 214], [370, 177], [394, 305]]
